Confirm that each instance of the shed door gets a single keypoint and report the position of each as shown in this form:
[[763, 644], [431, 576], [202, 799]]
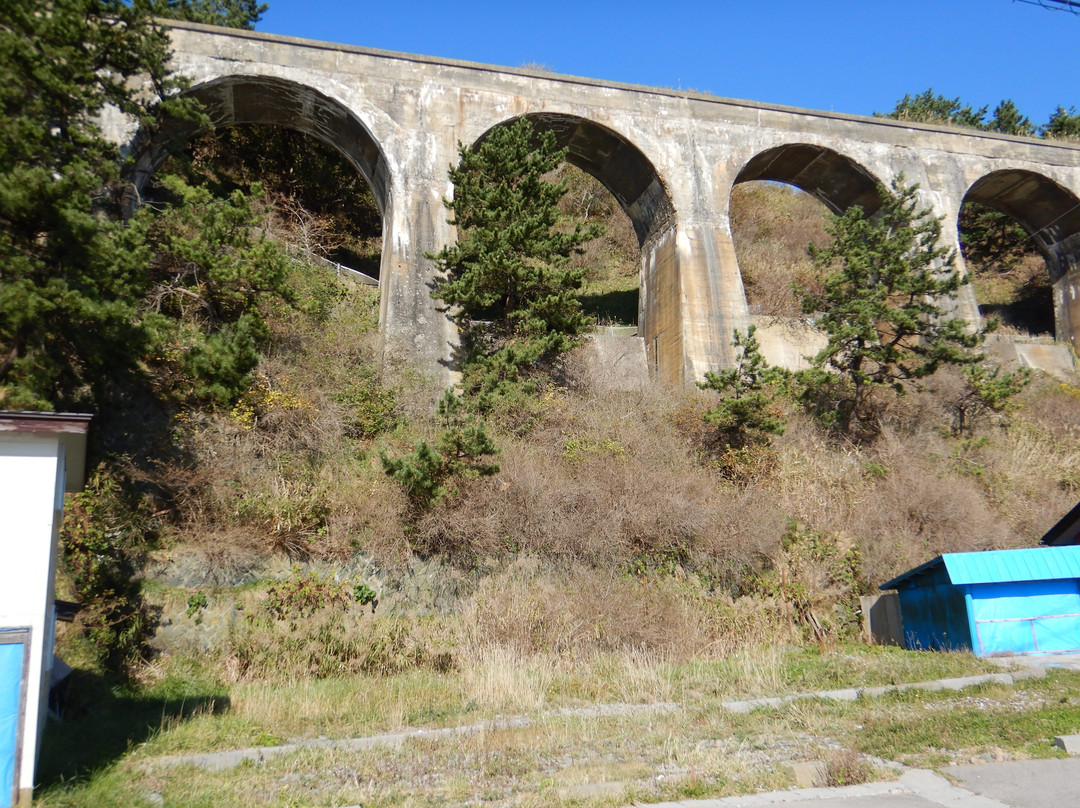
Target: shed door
[[1026, 617], [13, 647]]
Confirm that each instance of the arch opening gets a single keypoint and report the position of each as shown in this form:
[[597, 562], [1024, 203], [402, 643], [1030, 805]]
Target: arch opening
[[837, 181], [617, 163], [611, 178], [249, 102], [1028, 279], [779, 205], [772, 224]]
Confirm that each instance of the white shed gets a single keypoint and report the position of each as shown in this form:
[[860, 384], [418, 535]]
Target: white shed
[[42, 455]]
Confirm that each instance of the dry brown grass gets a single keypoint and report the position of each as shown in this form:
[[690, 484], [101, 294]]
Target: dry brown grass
[[610, 491], [608, 478], [918, 490], [772, 227], [291, 469]]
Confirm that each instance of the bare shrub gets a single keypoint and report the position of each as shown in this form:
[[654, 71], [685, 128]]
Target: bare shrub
[[329, 644], [817, 578], [916, 510], [601, 481], [284, 471], [904, 499], [312, 627], [847, 768]]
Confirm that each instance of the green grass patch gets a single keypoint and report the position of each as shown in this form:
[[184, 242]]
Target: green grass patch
[[916, 727]]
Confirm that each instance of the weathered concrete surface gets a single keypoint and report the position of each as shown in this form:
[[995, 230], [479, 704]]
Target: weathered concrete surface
[[1054, 358], [1023, 783], [670, 158], [787, 342], [1069, 743], [617, 362]]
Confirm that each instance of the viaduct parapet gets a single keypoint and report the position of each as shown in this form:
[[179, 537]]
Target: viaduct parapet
[[670, 158]]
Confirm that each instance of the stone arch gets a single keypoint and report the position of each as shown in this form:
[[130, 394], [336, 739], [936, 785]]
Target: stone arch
[[617, 163], [637, 186], [243, 99], [838, 182], [1050, 213], [835, 179]]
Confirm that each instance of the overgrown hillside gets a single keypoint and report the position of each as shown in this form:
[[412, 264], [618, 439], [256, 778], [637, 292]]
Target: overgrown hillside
[[696, 548]]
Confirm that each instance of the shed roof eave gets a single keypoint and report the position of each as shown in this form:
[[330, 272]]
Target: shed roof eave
[[69, 428], [919, 570], [1066, 531]]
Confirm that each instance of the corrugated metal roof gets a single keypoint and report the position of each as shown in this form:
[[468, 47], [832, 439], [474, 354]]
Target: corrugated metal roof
[[1002, 566]]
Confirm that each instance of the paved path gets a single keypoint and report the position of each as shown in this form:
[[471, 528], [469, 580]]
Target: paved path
[[1014, 784]]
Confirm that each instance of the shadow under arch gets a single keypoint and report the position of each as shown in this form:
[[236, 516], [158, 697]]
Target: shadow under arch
[[241, 99], [1050, 213], [838, 181], [616, 162]]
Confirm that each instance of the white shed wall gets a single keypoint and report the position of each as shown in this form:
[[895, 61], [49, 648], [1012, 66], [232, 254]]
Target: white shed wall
[[31, 501]]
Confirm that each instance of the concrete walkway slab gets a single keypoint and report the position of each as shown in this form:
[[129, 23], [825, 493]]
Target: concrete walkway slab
[[1025, 783], [915, 789]]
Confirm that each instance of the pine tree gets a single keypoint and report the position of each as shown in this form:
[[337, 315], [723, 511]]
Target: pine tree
[[514, 296], [71, 275], [89, 300], [1008, 120], [747, 413], [431, 472], [990, 239], [208, 276], [931, 107], [230, 13], [885, 286], [1064, 124]]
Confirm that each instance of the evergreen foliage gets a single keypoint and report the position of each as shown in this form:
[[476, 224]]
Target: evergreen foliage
[[1008, 121], [230, 13], [747, 413], [431, 472], [1063, 125], [507, 276], [89, 300], [72, 275], [931, 107], [991, 239], [103, 534], [986, 389], [886, 281], [208, 276]]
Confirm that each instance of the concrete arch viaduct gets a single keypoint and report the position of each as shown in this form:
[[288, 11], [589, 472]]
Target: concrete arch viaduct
[[669, 157]]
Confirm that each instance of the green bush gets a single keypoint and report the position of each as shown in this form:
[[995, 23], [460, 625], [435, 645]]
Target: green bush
[[103, 535]]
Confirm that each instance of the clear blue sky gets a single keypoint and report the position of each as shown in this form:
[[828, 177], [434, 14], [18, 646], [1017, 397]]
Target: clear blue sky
[[855, 57]]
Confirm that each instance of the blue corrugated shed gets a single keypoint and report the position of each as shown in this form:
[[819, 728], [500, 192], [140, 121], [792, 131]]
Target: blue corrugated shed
[[1023, 601], [1002, 566]]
